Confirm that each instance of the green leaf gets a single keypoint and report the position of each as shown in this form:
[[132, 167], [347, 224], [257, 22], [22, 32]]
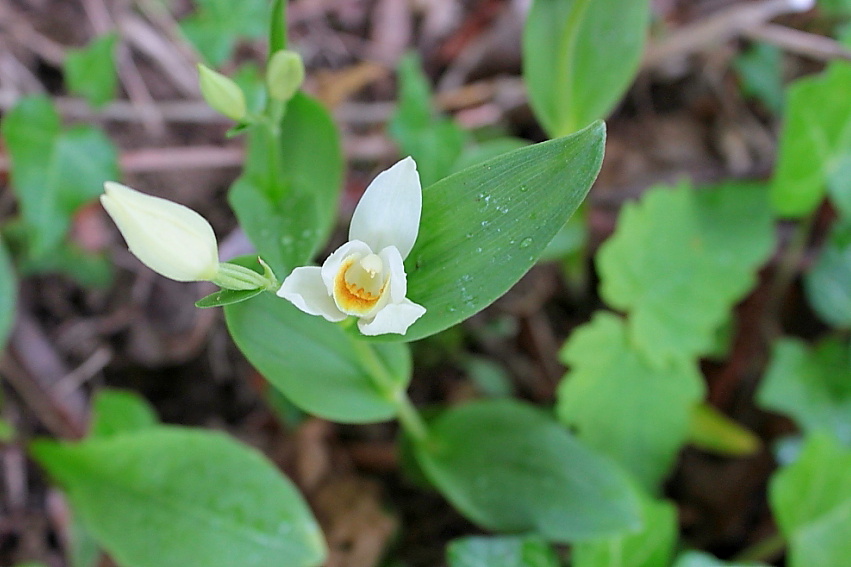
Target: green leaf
[[434, 142], [623, 406], [835, 7], [815, 143], [485, 227], [813, 386], [118, 412], [481, 152], [226, 297], [713, 431], [500, 551], [828, 282], [698, 559], [90, 71], [8, 294], [811, 500], [651, 546], [54, 172], [680, 259], [314, 363], [510, 467], [277, 27], [760, 71], [286, 200], [217, 25], [579, 57], [173, 496]]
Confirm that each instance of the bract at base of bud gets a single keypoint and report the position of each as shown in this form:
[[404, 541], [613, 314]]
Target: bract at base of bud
[[236, 277]]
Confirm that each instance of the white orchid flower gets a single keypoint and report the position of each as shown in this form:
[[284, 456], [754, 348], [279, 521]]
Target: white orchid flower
[[365, 277]]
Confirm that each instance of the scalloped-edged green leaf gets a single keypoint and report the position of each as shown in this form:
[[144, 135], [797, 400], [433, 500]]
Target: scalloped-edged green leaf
[[286, 200], [174, 496], [579, 57], [510, 467], [314, 363], [8, 294], [216, 25], [813, 386], [699, 559], [811, 500], [90, 70], [500, 551], [828, 282], [680, 258], [622, 405], [815, 144], [116, 411], [483, 228]]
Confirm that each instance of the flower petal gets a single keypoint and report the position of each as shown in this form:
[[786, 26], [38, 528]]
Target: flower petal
[[169, 238], [393, 318], [388, 214], [305, 289], [332, 264], [398, 278]]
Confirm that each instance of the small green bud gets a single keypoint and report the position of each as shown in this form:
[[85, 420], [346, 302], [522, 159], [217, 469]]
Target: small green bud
[[221, 93], [284, 75]]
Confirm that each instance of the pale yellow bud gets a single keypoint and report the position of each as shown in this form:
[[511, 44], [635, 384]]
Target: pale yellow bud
[[221, 93], [284, 75]]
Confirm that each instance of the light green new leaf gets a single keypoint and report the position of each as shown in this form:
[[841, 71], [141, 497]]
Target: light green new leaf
[[680, 259], [217, 25], [623, 406], [579, 57], [54, 172], [651, 546], [510, 467], [482, 229], [286, 200], [698, 559], [90, 71], [811, 500], [828, 282], [173, 496], [314, 363], [815, 144], [434, 142], [811, 386], [500, 551], [117, 412], [8, 294], [712, 431]]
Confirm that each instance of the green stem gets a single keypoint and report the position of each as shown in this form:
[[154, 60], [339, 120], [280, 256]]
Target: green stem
[[407, 414], [764, 550]]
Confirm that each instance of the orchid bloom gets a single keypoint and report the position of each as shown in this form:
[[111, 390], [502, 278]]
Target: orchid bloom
[[365, 277]]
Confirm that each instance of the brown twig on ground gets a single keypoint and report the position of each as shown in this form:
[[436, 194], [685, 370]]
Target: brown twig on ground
[[800, 42]]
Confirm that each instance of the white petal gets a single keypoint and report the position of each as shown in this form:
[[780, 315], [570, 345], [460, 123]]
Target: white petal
[[394, 318], [169, 238], [332, 264], [388, 214], [398, 279], [304, 289]]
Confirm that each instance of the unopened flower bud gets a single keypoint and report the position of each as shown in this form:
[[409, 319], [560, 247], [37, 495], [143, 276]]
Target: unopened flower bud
[[169, 238], [284, 75], [221, 93]]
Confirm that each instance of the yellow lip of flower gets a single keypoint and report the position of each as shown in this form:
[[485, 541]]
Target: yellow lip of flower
[[366, 277]]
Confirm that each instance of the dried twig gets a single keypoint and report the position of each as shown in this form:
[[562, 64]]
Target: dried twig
[[800, 42]]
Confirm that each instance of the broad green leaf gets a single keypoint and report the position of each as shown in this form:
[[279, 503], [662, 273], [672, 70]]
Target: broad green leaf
[[680, 259], [711, 430], [173, 496], [651, 546], [828, 282], [286, 200], [623, 406], [480, 152], [90, 71], [485, 227], [579, 57], [815, 144], [811, 500], [760, 71], [8, 294], [835, 7], [510, 467], [116, 412], [813, 386], [500, 551], [277, 26], [316, 364], [54, 172], [226, 297], [84, 550], [217, 25], [434, 142], [698, 559]]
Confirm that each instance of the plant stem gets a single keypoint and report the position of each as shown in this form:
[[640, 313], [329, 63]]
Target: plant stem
[[764, 550]]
